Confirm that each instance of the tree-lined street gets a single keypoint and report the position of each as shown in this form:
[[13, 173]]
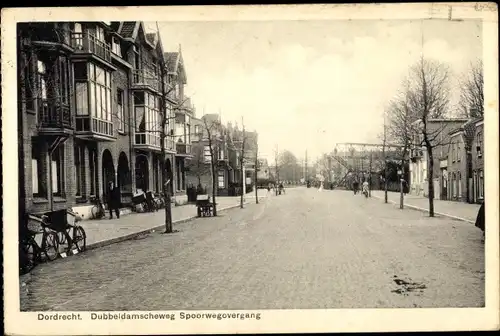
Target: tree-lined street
[[305, 249]]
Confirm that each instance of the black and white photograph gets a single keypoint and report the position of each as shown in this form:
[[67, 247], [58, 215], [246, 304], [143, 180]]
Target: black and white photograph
[[250, 169]]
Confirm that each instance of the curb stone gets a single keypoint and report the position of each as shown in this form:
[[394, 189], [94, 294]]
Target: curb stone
[[133, 235], [439, 214]]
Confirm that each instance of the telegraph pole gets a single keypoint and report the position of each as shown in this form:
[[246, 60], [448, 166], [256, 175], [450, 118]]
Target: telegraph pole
[[385, 162]]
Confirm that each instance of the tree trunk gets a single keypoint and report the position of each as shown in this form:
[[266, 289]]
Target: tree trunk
[[430, 180], [214, 188], [401, 185], [242, 182], [255, 178]]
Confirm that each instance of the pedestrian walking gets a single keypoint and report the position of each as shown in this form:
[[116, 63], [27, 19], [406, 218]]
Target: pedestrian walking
[[355, 186], [113, 200], [480, 219]]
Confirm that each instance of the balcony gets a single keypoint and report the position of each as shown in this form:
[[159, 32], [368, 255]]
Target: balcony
[[53, 118], [148, 141], [88, 45], [183, 149], [144, 79], [95, 129]]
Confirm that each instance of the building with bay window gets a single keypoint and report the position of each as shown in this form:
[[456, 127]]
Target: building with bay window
[[184, 111]]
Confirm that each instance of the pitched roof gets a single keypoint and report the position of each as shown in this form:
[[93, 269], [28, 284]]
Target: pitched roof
[[127, 29], [171, 60]]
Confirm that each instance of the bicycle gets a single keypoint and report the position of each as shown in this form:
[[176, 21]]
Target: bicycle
[[71, 237], [97, 210], [31, 253]]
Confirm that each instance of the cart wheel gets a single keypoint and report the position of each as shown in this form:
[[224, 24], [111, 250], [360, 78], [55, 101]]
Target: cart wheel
[[50, 245], [80, 238]]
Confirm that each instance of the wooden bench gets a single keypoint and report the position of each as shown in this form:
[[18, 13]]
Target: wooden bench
[[204, 206]]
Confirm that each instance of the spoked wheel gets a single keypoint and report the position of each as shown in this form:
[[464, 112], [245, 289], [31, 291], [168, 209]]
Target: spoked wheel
[[50, 246], [63, 242], [80, 238]]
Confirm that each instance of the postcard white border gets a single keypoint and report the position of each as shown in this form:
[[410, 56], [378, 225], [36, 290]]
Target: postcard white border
[[335, 320]]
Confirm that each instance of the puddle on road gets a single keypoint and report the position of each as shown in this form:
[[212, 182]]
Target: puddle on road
[[406, 287]]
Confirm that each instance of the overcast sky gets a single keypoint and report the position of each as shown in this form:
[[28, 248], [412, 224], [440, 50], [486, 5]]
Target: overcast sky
[[310, 84]]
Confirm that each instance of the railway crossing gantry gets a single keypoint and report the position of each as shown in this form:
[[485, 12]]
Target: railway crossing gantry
[[353, 157]]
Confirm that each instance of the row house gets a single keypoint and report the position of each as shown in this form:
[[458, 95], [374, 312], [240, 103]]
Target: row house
[[183, 112], [199, 172], [464, 164], [439, 132], [249, 146], [90, 96]]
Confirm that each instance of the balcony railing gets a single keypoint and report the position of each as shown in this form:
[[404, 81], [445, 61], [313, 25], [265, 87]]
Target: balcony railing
[[94, 125], [87, 43], [147, 139], [146, 78], [183, 149], [53, 115]]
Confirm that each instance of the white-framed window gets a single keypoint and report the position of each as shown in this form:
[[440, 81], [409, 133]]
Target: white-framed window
[[120, 113], [37, 172], [459, 181], [58, 171], [481, 184], [79, 153], [93, 82], [206, 154], [459, 154], [479, 147], [115, 46], [99, 34], [221, 180]]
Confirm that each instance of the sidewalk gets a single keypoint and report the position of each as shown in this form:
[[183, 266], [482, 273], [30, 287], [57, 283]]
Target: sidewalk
[[105, 231], [457, 210]]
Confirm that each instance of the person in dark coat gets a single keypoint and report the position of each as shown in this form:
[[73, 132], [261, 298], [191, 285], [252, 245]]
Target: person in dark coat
[[113, 200], [480, 218]]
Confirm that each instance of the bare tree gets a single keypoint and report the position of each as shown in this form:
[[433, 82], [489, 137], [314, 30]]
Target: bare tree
[[242, 166], [471, 91], [197, 165], [429, 98], [400, 128], [277, 169], [211, 129]]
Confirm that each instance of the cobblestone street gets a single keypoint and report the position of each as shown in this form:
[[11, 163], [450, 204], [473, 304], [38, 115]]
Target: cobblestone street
[[304, 249]]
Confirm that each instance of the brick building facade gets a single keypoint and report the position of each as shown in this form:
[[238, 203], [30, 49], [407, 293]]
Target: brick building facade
[[89, 113]]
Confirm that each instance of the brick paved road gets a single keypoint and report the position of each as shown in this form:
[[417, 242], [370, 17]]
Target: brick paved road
[[305, 249]]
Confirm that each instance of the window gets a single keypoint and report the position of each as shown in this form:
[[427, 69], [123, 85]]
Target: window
[[115, 46], [93, 171], [221, 154], [37, 173], [206, 151], [58, 171], [120, 114], [28, 83], [453, 152], [82, 97], [459, 181], [42, 78], [458, 151], [197, 129], [99, 33], [479, 148], [221, 179], [80, 170], [452, 185], [64, 87], [481, 184]]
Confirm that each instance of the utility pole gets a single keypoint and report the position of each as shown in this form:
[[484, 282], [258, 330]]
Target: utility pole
[[370, 176], [385, 162], [256, 170], [243, 172]]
